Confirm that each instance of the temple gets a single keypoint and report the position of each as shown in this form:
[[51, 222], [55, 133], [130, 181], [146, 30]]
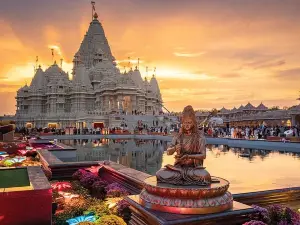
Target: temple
[[97, 90]]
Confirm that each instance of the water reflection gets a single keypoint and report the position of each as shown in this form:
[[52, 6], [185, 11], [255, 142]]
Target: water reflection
[[246, 169], [142, 155]]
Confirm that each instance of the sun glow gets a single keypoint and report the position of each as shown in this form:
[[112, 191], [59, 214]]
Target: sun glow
[[178, 74]]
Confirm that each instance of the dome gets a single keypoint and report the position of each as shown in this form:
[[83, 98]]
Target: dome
[[54, 73], [137, 78], [224, 111], [249, 106], [38, 81], [154, 85], [82, 80], [261, 107]]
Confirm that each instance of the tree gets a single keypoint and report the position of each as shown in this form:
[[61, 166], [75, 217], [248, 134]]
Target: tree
[[273, 108]]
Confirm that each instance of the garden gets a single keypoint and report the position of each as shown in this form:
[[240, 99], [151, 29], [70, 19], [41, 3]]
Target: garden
[[274, 215], [18, 155], [87, 199]]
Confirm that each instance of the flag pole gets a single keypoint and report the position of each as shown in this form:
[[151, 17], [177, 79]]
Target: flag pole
[[93, 9], [36, 62], [52, 52]]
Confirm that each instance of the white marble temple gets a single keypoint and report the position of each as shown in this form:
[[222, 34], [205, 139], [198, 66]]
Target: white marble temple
[[98, 89]]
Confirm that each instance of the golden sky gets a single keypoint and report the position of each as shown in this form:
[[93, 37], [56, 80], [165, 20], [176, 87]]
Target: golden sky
[[208, 53]]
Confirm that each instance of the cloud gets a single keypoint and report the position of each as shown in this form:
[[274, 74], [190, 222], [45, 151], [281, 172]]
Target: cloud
[[289, 73], [260, 64], [188, 55]]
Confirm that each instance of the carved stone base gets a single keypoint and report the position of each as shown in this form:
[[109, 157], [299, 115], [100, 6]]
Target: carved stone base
[[186, 199], [144, 216]]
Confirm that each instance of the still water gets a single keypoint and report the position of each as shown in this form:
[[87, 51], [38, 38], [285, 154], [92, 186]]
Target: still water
[[246, 170]]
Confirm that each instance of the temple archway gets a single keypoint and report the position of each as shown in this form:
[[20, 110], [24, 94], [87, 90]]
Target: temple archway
[[297, 120]]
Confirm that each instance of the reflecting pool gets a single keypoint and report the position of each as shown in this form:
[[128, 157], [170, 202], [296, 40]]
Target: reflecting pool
[[247, 170]]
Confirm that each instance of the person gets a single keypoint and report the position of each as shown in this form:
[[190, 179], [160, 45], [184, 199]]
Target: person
[[190, 146], [232, 132]]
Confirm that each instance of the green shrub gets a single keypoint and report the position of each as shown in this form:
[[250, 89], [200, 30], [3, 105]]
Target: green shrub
[[74, 208], [99, 208], [78, 189], [110, 220]]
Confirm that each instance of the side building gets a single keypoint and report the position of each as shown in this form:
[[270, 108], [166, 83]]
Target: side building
[[252, 116], [97, 92]]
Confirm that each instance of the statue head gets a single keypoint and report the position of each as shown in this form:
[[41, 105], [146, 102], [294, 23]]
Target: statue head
[[188, 120]]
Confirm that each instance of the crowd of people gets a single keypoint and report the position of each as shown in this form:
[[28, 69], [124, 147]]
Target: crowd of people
[[260, 132], [143, 128]]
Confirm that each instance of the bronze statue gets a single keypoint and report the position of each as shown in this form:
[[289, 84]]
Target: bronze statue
[[189, 144], [186, 187]]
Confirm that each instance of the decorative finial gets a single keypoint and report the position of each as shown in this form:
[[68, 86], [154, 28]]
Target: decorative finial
[[61, 62], [95, 15], [40, 66], [138, 65], [55, 62]]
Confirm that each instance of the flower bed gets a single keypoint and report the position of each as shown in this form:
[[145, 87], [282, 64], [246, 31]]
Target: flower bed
[[88, 199], [17, 154], [274, 215]]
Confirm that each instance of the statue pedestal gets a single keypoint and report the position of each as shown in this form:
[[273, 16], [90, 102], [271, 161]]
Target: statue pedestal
[[145, 216], [186, 199]]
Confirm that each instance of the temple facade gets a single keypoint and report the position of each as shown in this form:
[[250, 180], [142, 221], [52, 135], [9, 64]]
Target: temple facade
[[252, 116], [96, 91]]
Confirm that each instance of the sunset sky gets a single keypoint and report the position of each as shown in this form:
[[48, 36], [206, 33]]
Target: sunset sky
[[208, 53]]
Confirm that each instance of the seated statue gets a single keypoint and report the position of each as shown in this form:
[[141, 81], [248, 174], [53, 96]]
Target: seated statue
[[189, 144]]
